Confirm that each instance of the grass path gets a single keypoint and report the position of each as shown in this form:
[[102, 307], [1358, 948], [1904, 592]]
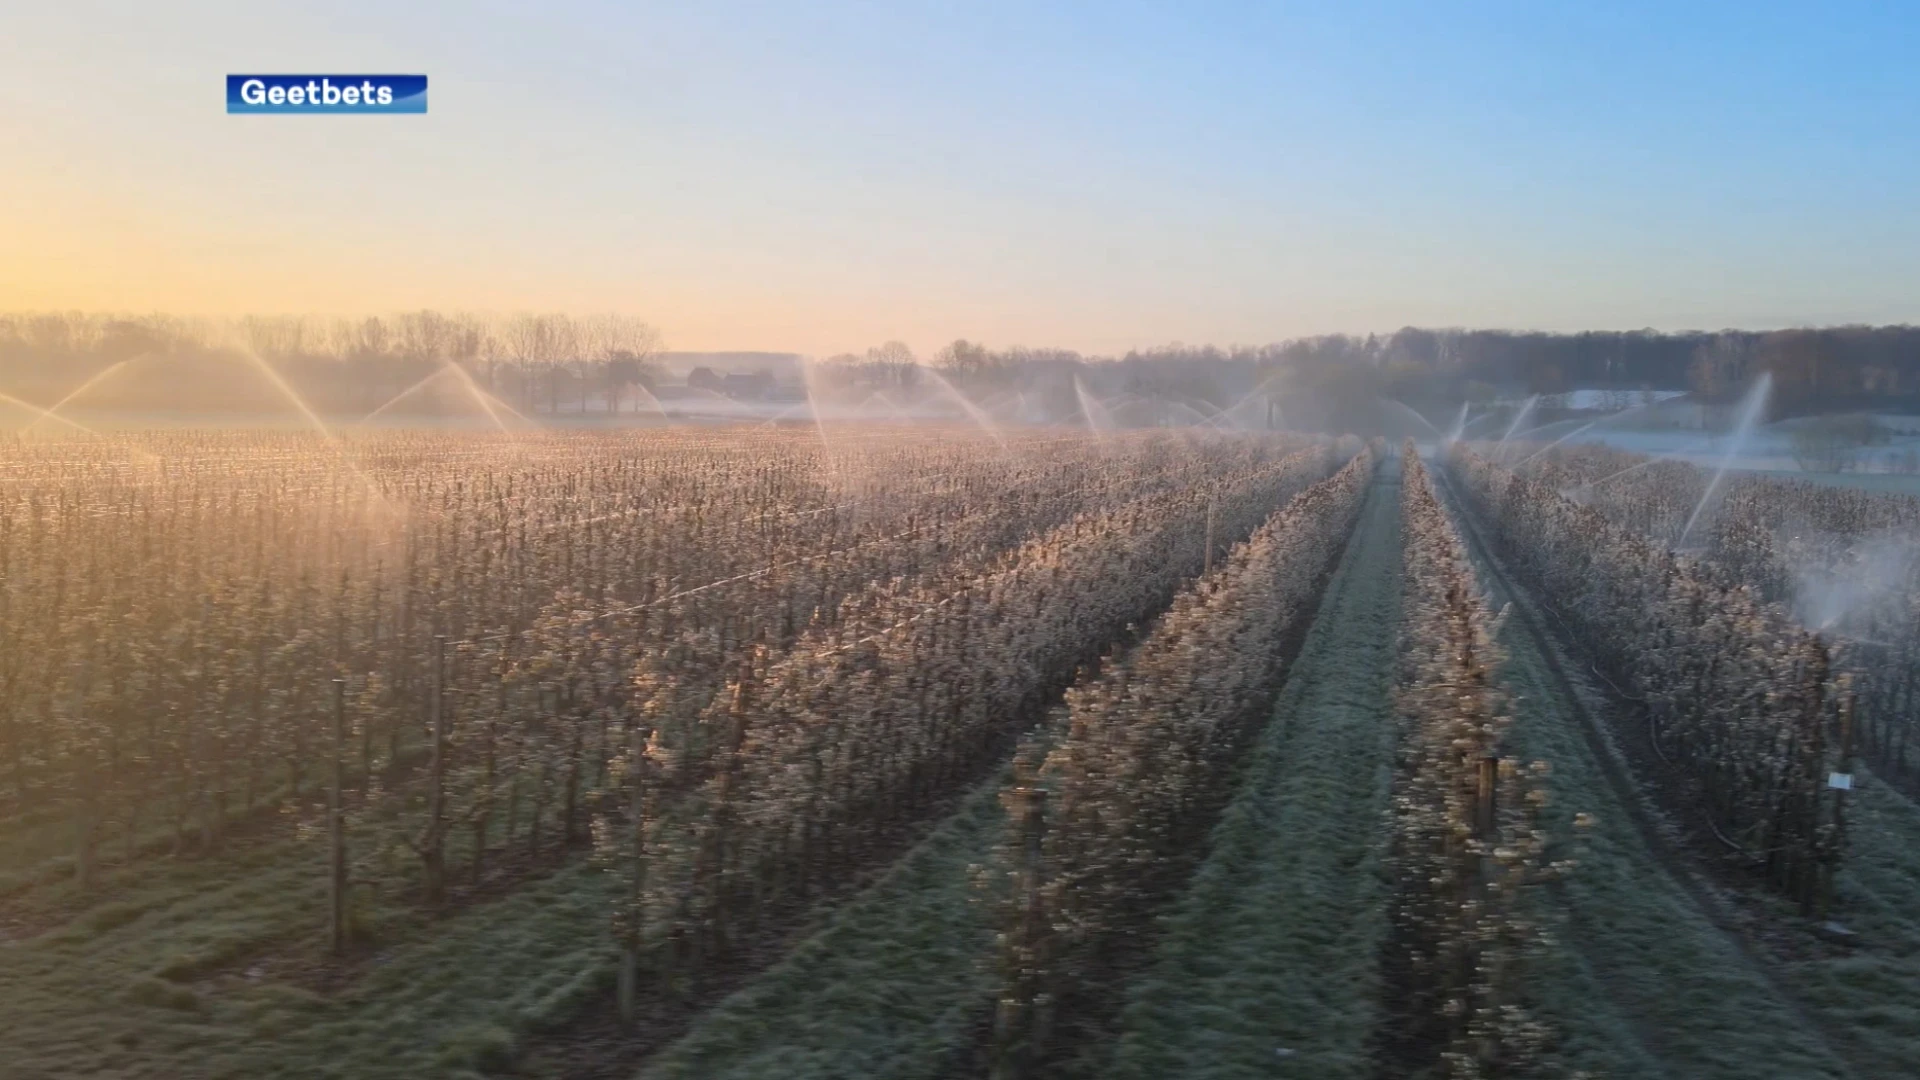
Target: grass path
[[82, 1004], [1873, 992], [890, 988], [1268, 966], [1650, 983]]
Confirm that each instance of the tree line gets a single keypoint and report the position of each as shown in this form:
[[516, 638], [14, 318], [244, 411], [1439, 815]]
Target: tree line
[[551, 363], [1814, 369], [557, 362], [1342, 378]]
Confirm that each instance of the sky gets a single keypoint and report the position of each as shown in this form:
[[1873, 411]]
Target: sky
[[823, 176]]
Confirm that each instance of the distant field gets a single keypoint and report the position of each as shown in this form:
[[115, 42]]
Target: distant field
[[1888, 482], [1768, 448]]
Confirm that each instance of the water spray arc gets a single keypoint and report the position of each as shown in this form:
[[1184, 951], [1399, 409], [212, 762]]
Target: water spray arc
[[401, 396], [1518, 419], [1413, 412], [92, 381], [1589, 426], [974, 412], [1751, 410], [46, 414], [1099, 419]]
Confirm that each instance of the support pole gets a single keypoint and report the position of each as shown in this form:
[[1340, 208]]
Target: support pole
[[1020, 1026], [337, 828]]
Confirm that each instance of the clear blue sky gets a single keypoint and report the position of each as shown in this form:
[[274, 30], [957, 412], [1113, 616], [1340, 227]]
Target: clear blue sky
[[827, 175]]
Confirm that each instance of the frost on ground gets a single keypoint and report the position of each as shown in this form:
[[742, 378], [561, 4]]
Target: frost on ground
[[1269, 961]]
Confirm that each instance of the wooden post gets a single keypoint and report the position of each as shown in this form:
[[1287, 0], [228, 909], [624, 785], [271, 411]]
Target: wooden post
[[490, 768], [634, 932], [1484, 824], [1213, 510], [337, 829], [86, 822], [1482, 957], [1847, 706], [1020, 1026], [433, 853]]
